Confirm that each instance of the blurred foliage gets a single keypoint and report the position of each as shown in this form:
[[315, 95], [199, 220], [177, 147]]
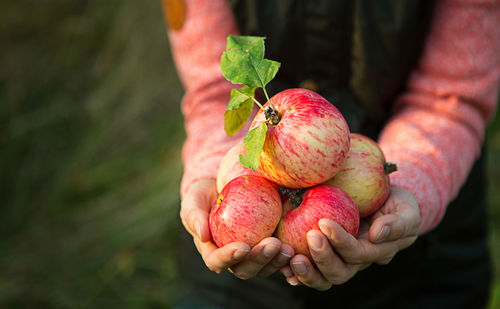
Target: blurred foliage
[[90, 138], [90, 143], [493, 157]]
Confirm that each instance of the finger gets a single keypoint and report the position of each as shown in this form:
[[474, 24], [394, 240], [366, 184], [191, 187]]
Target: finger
[[401, 219], [219, 259], [195, 208], [329, 264], [280, 260], [352, 250], [387, 228], [307, 274], [362, 251], [196, 222], [287, 271], [260, 255], [289, 275]]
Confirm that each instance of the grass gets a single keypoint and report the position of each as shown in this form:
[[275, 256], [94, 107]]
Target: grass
[[493, 156], [90, 138], [90, 155]]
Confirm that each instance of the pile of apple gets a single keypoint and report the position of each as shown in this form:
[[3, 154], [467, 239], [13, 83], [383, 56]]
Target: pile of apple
[[318, 166], [307, 165]]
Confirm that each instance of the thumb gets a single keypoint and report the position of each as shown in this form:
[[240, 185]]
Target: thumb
[[387, 228], [401, 218], [195, 208]]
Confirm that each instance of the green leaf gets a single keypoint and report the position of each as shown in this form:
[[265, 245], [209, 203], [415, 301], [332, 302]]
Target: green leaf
[[243, 62], [239, 109], [254, 142], [253, 44], [240, 96]]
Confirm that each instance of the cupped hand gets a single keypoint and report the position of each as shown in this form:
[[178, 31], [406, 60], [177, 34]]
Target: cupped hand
[[337, 255], [263, 259]]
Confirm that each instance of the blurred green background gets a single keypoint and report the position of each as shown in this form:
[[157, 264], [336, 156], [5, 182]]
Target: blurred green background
[[90, 139]]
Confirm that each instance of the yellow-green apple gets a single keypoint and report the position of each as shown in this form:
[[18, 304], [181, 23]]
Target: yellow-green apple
[[248, 209], [308, 144], [364, 175], [321, 201], [230, 166]]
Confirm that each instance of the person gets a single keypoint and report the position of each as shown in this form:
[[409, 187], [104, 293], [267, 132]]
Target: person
[[421, 77]]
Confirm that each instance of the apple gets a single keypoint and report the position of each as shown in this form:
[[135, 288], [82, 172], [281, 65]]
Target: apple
[[364, 175], [248, 209], [230, 166], [308, 144], [321, 201]]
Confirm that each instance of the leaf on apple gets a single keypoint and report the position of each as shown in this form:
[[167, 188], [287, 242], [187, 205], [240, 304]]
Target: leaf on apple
[[253, 142], [243, 62], [239, 109]]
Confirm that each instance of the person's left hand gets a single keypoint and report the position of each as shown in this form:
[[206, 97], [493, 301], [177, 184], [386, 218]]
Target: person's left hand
[[338, 256]]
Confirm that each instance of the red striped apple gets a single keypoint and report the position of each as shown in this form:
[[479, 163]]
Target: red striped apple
[[230, 167], [364, 175], [321, 201], [308, 144], [248, 209]]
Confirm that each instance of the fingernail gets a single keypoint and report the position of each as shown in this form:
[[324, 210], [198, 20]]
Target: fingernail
[[382, 235], [239, 254], [299, 267], [314, 242], [285, 255], [197, 228], [283, 258], [292, 281], [270, 250], [325, 228]]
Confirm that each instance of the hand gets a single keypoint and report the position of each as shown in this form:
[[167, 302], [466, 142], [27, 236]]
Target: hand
[[338, 255], [263, 259]]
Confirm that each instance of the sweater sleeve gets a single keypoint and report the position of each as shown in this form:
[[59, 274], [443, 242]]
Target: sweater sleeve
[[197, 47], [439, 123]]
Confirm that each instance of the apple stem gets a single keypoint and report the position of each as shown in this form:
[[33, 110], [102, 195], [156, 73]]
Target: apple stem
[[390, 168], [272, 116], [267, 97], [294, 196], [270, 111], [258, 103]]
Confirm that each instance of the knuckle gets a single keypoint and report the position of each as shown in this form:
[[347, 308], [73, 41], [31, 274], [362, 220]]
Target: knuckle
[[360, 257], [355, 260]]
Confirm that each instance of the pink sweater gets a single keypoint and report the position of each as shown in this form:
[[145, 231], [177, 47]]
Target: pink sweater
[[438, 124]]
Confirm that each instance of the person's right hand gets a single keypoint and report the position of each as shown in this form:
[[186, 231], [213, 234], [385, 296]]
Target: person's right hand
[[263, 259]]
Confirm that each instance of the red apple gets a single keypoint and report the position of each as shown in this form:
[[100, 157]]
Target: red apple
[[321, 201], [308, 144], [248, 209], [230, 166], [363, 175]]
